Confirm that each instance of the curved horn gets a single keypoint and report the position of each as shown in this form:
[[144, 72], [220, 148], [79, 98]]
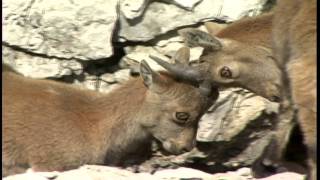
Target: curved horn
[[182, 56], [206, 87], [181, 71]]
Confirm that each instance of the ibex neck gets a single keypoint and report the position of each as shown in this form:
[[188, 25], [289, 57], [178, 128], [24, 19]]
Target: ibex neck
[[119, 119]]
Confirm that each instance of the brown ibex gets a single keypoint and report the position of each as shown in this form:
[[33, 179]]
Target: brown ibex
[[51, 126], [294, 42], [241, 55]]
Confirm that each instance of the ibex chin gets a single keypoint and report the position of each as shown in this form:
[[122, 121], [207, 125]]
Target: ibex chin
[[51, 126], [294, 42]]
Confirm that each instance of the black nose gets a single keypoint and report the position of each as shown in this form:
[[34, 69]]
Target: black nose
[[189, 147], [275, 99], [184, 150]]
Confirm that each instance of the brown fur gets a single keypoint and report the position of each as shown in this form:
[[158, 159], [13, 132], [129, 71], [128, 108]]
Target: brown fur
[[251, 30], [245, 50], [293, 29], [257, 31], [54, 126], [294, 37], [252, 38]]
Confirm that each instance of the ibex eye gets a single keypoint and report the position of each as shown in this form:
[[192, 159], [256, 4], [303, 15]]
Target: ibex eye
[[182, 117], [225, 72]]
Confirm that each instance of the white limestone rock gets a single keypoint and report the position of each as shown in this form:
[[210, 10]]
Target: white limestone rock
[[64, 29], [39, 67], [160, 18], [132, 9], [231, 113]]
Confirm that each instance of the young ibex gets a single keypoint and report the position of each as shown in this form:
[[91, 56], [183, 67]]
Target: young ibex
[[242, 55], [294, 41], [51, 126], [239, 55]]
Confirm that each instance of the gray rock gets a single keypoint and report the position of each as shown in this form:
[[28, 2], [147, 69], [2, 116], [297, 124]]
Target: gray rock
[[134, 55], [231, 113], [285, 175], [133, 8], [65, 29], [106, 82], [92, 172], [187, 4], [39, 67], [160, 18], [162, 48]]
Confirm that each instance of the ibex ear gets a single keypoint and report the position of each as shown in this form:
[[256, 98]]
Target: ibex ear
[[151, 79], [214, 28], [182, 55], [195, 37]]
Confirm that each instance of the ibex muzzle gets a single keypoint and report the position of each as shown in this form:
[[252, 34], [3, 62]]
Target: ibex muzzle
[[177, 139], [51, 126]]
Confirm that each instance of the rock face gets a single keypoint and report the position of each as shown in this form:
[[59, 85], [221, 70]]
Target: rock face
[[160, 18], [62, 29], [55, 39], [233, 111], [37, 66]]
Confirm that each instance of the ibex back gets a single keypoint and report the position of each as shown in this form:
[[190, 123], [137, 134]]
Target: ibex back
[[51, 126]]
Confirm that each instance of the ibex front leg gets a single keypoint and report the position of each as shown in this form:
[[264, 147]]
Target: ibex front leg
[[272, 159]]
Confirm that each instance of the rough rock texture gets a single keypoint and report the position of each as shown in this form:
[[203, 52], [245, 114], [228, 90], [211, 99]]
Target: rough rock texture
[[160, 18], [82, 30], [65, 29], [162, 49], [102, 172], [233, 111], [187, 4], [106, 82], [133, 8], [37, 66]]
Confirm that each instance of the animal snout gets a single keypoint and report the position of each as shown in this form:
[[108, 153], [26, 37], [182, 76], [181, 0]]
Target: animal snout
[[274, 94], [176, 147], [275, 98]]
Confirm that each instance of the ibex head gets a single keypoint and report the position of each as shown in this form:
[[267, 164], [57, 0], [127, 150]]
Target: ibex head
[[232, 63], [174, 107]]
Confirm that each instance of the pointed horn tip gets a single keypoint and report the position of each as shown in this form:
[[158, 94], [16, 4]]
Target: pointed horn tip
[[143, 62], [206, 87], [158, 60], [184, 48]]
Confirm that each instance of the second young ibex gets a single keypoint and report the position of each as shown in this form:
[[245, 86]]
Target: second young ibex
[[241, 55], [51, 126], [294, 42]]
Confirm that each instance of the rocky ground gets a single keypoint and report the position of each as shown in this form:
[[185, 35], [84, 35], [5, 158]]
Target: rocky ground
[[90, 172]]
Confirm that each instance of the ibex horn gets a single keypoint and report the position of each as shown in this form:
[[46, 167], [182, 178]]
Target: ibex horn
[[181, 71], [205, 87]]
